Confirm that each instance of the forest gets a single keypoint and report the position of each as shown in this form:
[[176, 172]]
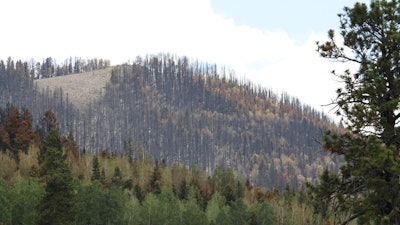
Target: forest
[[170, 140], [44, 180], [179, 111]]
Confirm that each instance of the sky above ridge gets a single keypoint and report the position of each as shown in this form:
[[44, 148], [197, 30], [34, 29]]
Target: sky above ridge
[[271, 43]]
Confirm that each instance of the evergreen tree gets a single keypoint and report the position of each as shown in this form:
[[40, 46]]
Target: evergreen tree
[[52, 140], [58, 204], [183, 190], [103, 179], [96, 169], [116, 180], [368, 185], [155, 182]]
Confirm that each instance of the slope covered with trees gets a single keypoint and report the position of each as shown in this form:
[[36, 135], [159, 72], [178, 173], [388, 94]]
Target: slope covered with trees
[[181, 111], [53, 185]]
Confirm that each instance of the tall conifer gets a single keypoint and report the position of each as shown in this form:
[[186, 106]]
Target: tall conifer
[[58, 205], [368, 185]]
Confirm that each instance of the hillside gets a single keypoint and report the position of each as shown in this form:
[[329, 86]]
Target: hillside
[[185, 112], [82, 88]]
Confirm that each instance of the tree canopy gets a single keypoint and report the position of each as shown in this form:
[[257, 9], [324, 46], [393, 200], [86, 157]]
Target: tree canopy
[[368, 186], [58, 203]]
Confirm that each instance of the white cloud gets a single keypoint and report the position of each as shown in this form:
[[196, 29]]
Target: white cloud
[[122, 29]]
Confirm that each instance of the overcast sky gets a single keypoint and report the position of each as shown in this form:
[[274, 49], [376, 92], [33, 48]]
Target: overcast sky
[[271, 43]]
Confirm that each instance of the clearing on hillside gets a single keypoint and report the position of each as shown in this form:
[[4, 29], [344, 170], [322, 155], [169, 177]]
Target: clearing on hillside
[[81, 88]]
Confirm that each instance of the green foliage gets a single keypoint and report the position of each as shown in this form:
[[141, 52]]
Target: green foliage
[[97, 205], [116, 200], [149, 213], [182, 191], [262, 214], [223, 217], [225, 182], [25, 195], [368, 186], [119, 191], [58, 203], [239, 214], [136, 193], [116, 180], [52, 140], [170, 207], [193, 214], [96, 169], [196, 192], [90, 203], [5, 214], [322, 200], [112, 204], [155, 182], [214, 206]]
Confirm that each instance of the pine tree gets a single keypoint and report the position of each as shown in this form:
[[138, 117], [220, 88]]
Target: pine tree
[[52, 140], [58, 204], [116, 180], [103, 179], [368, 185], [96, 169], [155, 181]]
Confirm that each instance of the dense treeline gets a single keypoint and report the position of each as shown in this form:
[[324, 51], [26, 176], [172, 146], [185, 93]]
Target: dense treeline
[[185, 112], [53, 185]]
